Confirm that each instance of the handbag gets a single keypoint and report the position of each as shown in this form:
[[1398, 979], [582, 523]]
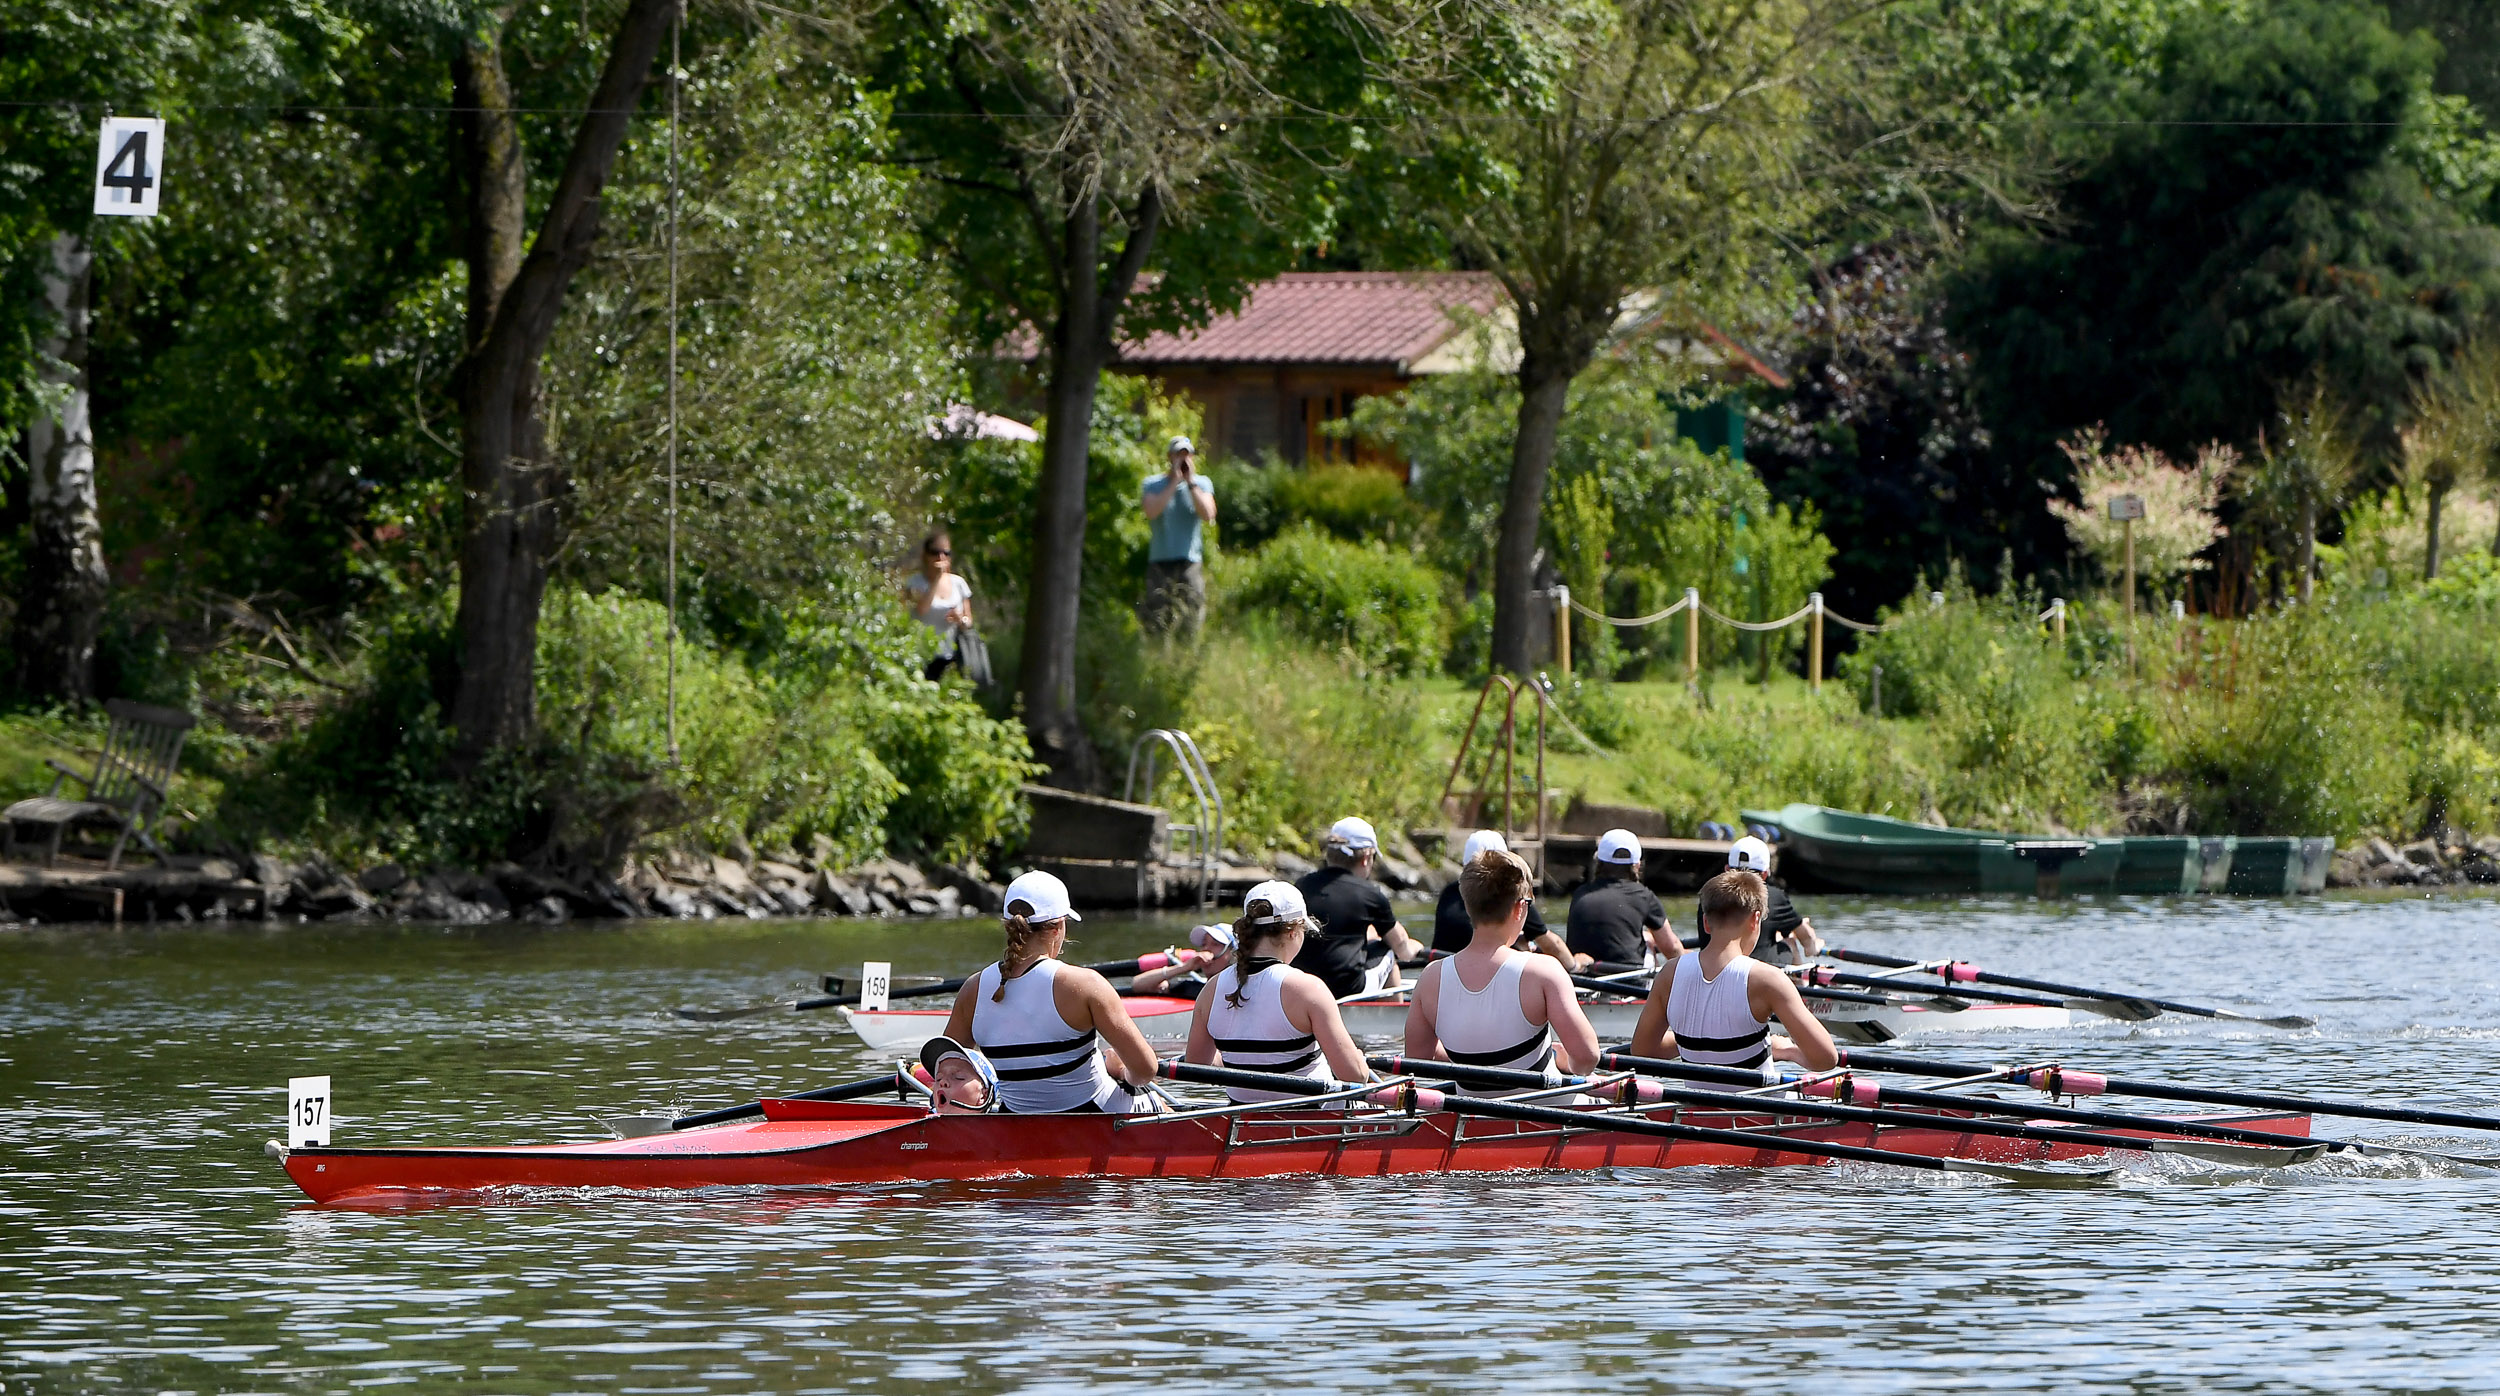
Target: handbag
[[973, 654]]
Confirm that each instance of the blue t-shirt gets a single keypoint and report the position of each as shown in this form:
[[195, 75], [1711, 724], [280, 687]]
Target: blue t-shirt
[[1176, 530]]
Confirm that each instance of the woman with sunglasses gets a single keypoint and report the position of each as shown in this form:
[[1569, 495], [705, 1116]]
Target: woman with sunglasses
[[940, 600]]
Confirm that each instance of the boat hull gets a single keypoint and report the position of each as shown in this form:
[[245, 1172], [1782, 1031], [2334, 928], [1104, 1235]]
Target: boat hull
[[810, 1144]]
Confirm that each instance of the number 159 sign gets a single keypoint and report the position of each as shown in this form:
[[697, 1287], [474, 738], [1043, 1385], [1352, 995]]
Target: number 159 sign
[[130, 166]]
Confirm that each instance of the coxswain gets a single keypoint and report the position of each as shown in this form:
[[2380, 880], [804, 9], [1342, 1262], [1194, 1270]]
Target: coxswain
[[1451, 930], [1715, 1007], [1357, 942], [1614, 919], [1211, 949], [960, 1079], [1262, 1014], [1492, 1004], [1048, 1027], [1788, 938]]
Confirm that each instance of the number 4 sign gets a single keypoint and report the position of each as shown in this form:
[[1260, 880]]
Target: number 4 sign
[[130, 166]]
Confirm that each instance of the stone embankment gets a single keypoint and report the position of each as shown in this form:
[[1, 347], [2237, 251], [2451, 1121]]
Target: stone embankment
[[673, 885], [2455, 860]]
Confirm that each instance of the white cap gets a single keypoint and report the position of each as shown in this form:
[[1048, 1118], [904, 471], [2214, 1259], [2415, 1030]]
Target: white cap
[[1047, 895], [1284, 901], [1483, 841], [1618, 846], [1353, 834], [1180, 443], [1214, 939], [1751, 854]]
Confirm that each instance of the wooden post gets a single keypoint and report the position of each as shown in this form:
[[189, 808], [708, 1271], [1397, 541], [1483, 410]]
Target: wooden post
[[1692, 635], [2129, 599], [2126, 509], [1814, 643], [2057, 617], [1562, 628]]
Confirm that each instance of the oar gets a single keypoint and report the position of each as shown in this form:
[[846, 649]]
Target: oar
[[1816, 974], [2061, 1081], [2275, 1155], [1968, 972], [1109, 969], [636, 1126], [1864, 1092], [1425, 1100]]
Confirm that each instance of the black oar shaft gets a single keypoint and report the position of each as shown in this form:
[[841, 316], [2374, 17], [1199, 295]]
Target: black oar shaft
[[1833, 976], [848, 1090], [1943, 1100], [1828, 995], [2016, 981], [1965, 1121], [2093, 1083], [1573, 1119], [1112, 969]]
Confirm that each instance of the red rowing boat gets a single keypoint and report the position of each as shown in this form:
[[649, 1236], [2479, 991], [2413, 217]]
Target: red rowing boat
[[802, 1143]]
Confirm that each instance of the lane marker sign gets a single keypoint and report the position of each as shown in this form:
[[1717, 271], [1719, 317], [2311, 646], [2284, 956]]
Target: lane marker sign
[[308, 1112], [130, 166], [875, 977]]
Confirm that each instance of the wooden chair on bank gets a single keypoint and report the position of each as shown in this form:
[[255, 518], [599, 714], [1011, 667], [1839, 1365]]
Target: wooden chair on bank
[[126, 790]]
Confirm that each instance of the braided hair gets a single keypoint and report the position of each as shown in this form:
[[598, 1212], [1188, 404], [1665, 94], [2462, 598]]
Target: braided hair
[[1025, 939], [1259, 922]]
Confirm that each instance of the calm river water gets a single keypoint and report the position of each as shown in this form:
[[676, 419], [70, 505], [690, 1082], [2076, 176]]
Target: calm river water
[[146, 1245]]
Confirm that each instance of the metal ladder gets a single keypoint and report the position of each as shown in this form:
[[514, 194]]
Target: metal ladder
[[1201, 840]]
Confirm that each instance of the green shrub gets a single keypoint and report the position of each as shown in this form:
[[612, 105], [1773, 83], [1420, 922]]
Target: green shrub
[[2282, 728], [1353, 502], [1248, 512], [1928, 651], [1379, 607]]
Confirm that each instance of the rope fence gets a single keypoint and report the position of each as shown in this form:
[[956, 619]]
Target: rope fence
[[1693, 608]]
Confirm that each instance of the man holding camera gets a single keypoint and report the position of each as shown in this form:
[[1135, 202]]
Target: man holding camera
[[1179, 503]]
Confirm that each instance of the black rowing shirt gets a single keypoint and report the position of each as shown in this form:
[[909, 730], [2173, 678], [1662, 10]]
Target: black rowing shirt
[[1780, 920], [1451, 930], [1608, 917], [1346, 906]]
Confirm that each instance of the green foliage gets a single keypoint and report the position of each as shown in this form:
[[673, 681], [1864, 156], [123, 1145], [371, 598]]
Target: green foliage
[[2279, 727], [837, 739], [811, 352], [1354, 502], [1927, 651], [1378, 607], [2245, 215]]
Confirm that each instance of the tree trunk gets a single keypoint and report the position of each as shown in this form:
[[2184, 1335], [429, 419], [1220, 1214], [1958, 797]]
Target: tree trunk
[[2430, 543], [510, 492], [1544, 386], [61, 608], [2308, 548], [1081, 345]]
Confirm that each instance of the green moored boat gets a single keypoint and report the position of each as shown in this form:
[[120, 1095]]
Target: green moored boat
[[1841, 851]]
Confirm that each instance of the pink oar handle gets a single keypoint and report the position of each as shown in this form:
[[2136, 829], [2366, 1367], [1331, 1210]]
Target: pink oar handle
[[1961, 972], [1159, 959], [1848, 1090], [2058, 1080]]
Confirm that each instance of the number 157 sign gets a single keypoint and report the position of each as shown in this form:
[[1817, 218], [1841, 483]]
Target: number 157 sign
[[130, 166]]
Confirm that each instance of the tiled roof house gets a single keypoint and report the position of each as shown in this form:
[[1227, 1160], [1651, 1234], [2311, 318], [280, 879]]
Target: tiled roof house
[[1303, 347]]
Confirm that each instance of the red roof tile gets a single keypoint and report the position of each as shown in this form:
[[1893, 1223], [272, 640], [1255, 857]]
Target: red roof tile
[[1349, 317]]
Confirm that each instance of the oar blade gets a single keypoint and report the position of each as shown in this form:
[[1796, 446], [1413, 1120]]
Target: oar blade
[[2237, 1155], [637, 1126], [2030, 1177], [731, 1015], [2125, 1010], [2289, 1022]]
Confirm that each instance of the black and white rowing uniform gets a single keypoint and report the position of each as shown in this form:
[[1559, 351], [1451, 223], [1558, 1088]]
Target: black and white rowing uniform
[[1712, 1019], [1489, 1028], [1258, 1036], [1044, 1065]]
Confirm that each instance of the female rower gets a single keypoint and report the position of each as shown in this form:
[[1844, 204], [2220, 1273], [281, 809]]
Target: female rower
[[1715, 1007], [1186, 977], [1262, 1014], [1046, 1026], [1492, 1004]]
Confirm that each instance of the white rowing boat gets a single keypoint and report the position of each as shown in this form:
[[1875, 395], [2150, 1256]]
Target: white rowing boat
[[1165, 1021]]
